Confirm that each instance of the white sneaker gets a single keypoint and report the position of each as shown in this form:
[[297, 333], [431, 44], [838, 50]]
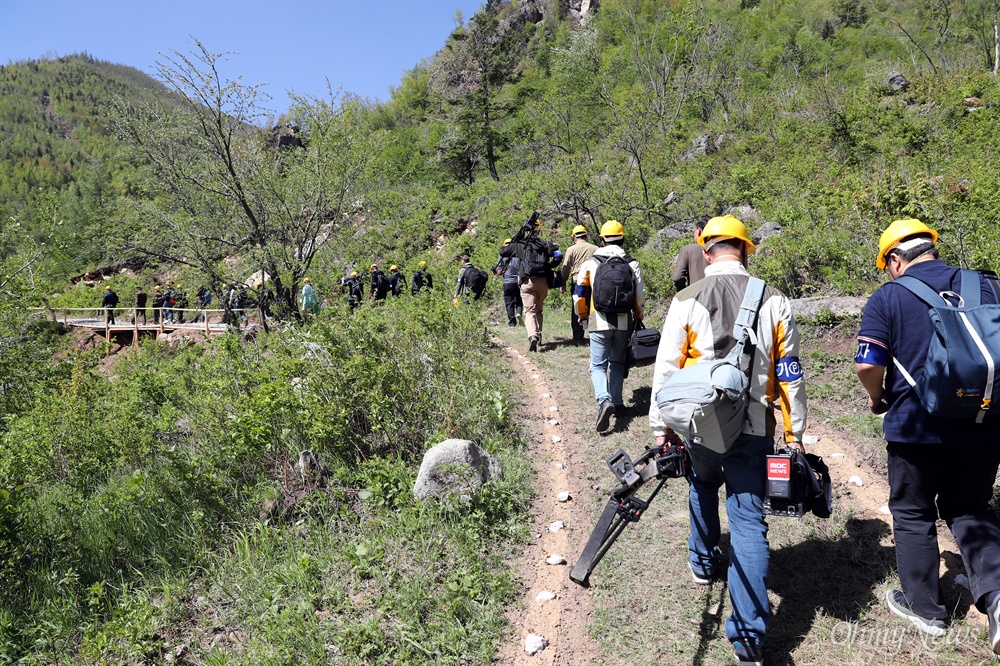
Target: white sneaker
[[993, 614], [897, 604], [699, 578]]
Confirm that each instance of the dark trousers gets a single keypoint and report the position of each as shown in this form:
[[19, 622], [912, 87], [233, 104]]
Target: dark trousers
[[139, 312], [512, 301], [954, 481], [109, 316], [577, 327]]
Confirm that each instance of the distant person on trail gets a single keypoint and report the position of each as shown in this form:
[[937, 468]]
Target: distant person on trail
[[940, 467], [180, 302], [509, 267], [108, 303], [421, 280], [576, 255], [265, 298], [698, 327], [140, 306], [691, 262], [471, 280], [168, 302], [397, 281], [355, 288], [158, 298], [309, 301], [610, 296], [203, 298], [379, 284], [537, 257]]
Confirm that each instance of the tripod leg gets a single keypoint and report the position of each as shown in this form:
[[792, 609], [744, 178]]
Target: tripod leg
[[583, 567]]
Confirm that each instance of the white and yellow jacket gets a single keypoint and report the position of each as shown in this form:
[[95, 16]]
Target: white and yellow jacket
[[699, 326]]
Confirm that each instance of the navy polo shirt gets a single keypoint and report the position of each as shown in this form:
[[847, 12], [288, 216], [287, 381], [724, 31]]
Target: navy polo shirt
[[896, 324]]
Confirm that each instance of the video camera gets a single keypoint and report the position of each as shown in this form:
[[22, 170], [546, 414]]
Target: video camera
[[526, 228], [798, 484], [657, 462]]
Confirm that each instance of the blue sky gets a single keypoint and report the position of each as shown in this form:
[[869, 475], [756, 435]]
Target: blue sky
[[363, 45]]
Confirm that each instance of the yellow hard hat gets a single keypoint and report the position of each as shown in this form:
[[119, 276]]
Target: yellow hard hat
[[259, 283], [157, 288], [538, 223], [507, 242], [372, 267], [423, 264], [306, 281], [354, 274], [169, 282], [726, 226], [898, 231], [579, 229], [612, 230], [394, 267], [107, 288]]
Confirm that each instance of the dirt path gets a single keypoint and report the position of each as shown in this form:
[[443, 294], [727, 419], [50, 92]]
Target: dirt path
[[563, 620]]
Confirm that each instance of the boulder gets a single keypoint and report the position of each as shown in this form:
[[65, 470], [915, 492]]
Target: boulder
[[454, 468], [765, 231], [839, 306], [896, 82]]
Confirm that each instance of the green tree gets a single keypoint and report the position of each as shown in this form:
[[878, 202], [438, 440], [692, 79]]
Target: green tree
[[219, 188]]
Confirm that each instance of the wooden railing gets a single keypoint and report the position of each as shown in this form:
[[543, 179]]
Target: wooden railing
[[208, 320]]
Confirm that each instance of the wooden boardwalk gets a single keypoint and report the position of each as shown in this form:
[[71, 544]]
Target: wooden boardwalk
[[209, 322]]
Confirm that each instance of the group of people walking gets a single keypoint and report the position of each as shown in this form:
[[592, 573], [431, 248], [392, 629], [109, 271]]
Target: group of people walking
[[939, 466], [380, 285]]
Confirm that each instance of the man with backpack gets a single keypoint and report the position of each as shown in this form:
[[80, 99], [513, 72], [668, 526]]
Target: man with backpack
[[943, 448], [422, 279], [576, 255], [536, 257], [379, 284], [609, 298], [397, 281], [509, 267], [699, 328], [355, 289], [158, 299], [471, 280]]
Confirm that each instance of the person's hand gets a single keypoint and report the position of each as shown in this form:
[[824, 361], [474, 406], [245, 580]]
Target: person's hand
[[796, 446], [584, 323], [563, 289], [878, 405], [455, 301]]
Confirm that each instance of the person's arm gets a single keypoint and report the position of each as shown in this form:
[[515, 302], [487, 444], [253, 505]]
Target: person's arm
[[680, 274], [640, 290], [788, 377], [582, 291], [674, 338], [872, 379]]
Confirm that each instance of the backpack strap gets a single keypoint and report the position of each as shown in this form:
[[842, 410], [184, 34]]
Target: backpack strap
[[920, 289], [972, 288], [745, 328]]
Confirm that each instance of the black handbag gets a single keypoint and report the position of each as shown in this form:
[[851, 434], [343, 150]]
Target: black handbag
[[642, 345]]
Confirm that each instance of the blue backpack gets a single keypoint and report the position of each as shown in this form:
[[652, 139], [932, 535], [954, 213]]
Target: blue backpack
[[960, 376]]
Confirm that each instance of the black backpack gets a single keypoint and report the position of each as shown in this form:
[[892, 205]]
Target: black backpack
[[396, 283], [476, 279], [614, 285], [380, 284], [418, 282], [536, 258]]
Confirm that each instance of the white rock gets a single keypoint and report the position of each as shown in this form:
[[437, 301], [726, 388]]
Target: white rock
[[555, 559], [884, 510], [810, 439], [534, 376], [556, 439], [560, 466], [553, 422], [546, 395], [563, 496], [856, 480], [836, 455], [545, 596], [556, 526], [534, 643], [553, 408], [526, 362]]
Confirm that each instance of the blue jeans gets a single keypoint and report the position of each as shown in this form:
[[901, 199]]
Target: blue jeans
[[607, 364], [744, 471]]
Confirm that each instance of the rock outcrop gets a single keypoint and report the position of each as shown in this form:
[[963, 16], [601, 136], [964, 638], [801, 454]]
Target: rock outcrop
[[455, 468]]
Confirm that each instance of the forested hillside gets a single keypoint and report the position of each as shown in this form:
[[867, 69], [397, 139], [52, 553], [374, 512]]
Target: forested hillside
[[150, 505]]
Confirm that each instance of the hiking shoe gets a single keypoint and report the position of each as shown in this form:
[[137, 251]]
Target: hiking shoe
[[701, 579], [533, 343], [512, 324], [604, 412], [620, 411], [748, 652], [993, 614], [897, 604]]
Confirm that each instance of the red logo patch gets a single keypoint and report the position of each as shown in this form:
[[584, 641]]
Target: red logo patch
[[779, 469]]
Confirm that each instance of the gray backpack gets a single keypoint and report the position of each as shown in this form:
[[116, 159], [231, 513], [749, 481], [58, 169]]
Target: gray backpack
[[706, 403]]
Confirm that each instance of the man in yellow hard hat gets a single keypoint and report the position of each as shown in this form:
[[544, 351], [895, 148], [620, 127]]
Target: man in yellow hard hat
[[379, 284], [140, 305], [109, 302], [691, 262], [397, 281], [422, 279], [609, 296], [699, 327], [536, 258], [575, 256], [157, 303], [939, 466]]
